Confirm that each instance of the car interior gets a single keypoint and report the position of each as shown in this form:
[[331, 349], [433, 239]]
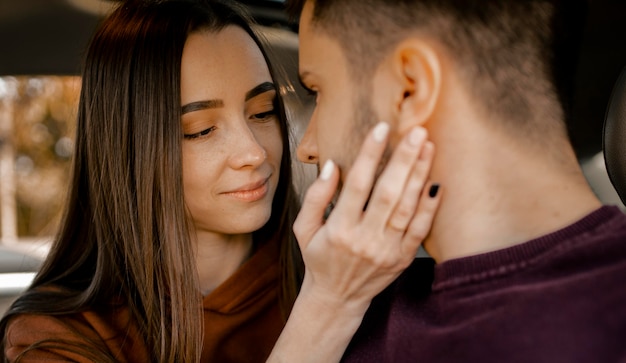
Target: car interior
[[48, 37], [614, 136]]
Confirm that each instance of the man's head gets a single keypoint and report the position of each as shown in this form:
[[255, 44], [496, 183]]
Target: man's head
[[394, 59]]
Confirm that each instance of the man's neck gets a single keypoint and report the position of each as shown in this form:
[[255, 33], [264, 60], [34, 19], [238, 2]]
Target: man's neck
[[496, 196]]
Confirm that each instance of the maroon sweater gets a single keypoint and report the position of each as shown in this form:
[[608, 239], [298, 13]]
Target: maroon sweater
[[558, 298]]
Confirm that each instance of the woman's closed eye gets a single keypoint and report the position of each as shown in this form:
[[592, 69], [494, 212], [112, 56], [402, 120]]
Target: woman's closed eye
[[199, 134], [264, 116]]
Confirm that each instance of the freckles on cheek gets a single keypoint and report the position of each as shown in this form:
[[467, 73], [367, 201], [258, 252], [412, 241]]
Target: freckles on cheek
[[192, 173]]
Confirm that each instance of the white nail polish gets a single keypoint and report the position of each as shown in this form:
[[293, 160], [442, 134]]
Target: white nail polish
[[416, 135], [380, 131], [327, 170]]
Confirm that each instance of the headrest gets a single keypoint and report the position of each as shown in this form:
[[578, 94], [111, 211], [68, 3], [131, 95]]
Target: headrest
[[614, 139]]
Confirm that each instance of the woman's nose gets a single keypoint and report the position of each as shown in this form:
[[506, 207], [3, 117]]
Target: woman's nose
[[248, 152]]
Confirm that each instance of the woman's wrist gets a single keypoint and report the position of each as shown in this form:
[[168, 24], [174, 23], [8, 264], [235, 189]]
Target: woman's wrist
[[323, 300], [320, 327]]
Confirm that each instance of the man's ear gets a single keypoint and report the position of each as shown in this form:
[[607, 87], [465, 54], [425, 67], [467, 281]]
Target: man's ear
[[418, 66]]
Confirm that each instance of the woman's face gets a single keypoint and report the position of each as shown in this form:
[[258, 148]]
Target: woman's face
[[232, 145]]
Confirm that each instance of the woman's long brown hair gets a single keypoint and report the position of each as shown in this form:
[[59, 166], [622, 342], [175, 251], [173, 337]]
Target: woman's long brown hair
[[124, 237]]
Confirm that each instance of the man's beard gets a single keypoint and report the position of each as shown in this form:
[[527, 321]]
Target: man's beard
[[364, 120]]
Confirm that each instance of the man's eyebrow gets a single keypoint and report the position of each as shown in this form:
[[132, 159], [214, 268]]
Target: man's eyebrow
[[201, 105], [262, 88]]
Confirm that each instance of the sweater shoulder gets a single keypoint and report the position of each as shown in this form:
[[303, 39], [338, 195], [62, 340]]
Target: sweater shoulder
[[80, 337]]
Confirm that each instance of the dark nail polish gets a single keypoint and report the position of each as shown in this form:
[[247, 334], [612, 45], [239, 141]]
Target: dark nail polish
[[434, 189]]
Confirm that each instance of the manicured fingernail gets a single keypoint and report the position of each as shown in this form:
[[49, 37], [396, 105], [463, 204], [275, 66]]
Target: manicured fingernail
[[327, 170], [434, 189], [416, 136], [380, 131]]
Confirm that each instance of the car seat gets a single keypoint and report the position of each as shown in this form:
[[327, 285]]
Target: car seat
[[614, 137]]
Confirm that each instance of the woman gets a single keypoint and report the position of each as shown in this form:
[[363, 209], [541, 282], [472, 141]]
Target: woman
[[176, 245]]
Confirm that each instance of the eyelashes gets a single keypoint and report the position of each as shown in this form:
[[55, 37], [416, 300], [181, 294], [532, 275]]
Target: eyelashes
[[258, 117], [264, 116], [199, 134], [308, 90]]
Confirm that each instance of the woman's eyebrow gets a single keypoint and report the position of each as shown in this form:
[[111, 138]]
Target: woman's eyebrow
[[262, 88], [201, 105]]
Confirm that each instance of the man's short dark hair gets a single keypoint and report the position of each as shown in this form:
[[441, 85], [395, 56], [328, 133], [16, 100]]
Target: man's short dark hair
[[517, 56]]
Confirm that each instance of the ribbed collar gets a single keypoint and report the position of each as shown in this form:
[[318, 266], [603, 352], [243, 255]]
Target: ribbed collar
[[471, 269]]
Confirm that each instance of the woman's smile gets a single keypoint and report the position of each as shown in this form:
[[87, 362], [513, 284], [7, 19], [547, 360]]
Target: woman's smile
[[251, 192]]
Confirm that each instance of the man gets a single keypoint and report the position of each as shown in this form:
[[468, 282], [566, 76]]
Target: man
[[529, 265]]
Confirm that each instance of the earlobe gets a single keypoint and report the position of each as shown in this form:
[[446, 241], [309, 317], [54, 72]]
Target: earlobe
[[419, 66]]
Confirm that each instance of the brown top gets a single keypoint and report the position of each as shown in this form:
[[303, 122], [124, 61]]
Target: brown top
[[242, 321]]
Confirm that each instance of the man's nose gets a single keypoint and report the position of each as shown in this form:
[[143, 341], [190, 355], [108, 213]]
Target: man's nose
[[307, 150]]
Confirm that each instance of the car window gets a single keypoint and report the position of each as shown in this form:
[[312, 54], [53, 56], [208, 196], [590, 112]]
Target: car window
[[37, 139]]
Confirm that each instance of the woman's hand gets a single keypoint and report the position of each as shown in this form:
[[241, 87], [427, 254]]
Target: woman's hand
[[369, 238], [367, 241]]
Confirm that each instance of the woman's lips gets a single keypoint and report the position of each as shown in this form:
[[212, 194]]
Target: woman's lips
[[251, 192]]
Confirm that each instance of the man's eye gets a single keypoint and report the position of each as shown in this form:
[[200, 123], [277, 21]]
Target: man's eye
[[264, 115], [312, 93], [199, 134]]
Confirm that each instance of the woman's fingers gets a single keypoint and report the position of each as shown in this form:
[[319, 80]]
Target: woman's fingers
[[354, 254], [407, 204], [391, 201], [359, 181], [422, 221], [316, 200]]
